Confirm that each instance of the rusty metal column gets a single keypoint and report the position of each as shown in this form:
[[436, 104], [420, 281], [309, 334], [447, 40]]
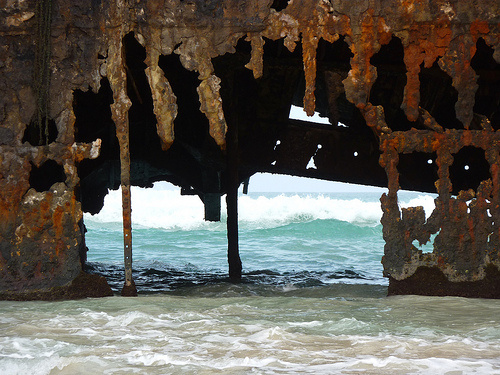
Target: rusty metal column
[[233, 252], [119, 111], [129, 288]]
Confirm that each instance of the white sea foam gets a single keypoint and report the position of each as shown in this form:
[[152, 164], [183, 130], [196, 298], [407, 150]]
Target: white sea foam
[[284, 209], [169, 210], [271, 335], [426, 201], [153, 209]]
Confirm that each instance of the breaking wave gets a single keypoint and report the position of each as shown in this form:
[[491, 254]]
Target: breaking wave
[[167, 209]]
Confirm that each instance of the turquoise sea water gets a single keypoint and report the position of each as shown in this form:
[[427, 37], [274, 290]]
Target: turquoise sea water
[[313, 299]]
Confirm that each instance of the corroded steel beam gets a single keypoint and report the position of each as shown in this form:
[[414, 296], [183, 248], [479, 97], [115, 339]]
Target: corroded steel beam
[[116, 68]]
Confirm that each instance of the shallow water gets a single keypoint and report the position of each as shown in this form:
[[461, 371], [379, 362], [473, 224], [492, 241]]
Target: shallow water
[[238, 329], [313, 299]]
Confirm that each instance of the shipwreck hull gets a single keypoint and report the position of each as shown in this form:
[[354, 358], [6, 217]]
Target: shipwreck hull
[[96, 95]]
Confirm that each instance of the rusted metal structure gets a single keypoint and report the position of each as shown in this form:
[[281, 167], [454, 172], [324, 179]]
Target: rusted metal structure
[[95, 94]]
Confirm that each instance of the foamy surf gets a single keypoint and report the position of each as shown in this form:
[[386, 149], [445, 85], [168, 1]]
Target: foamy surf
[[248, 334], [338, 237], [426, 201], [167, 209], [312, 299]]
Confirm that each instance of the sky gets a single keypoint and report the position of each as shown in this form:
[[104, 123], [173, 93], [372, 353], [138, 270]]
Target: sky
[[274, 183], [297, 113], [266, 182]]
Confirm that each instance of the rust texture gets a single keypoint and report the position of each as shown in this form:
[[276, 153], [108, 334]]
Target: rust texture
[[41, 230], [116, 72], [467, 225]]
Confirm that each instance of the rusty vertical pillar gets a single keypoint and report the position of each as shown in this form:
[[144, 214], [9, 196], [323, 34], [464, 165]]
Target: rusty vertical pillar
[[233, 253], [119, 111], [123, 134], [129, 288]]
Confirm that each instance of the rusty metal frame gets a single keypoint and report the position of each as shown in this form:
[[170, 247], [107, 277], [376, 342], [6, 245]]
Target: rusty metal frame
[[467, 225], [430, 31]]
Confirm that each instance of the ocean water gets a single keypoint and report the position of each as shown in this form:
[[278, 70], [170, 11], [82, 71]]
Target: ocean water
[[312, 300]]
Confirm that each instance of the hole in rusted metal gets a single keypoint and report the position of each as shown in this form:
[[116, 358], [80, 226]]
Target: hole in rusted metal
[[37, 135], [93, 120], [297, 113], [438, 96], [334, 56], [311, 164], [487, 95], [184, 84], [425, 248], [93, 115], [142, 120], [413, 166], [469, 169], [43, 177], [276, 49], [428, 247], [333, 64], [279, 5], [388, 89]]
